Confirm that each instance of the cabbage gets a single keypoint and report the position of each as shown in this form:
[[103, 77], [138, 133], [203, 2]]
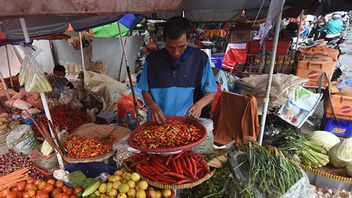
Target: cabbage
[[349, 169], [324, 138], [341, 153]]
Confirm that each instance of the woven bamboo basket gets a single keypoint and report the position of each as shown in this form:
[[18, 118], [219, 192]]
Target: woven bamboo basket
[[326, 174], [174, 186]]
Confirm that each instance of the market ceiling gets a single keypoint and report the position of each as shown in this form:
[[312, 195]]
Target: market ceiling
[[53, 17]]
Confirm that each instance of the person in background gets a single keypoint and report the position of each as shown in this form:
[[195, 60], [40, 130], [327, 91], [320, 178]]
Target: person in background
[[58, 79], [334, 27], [177, 80]]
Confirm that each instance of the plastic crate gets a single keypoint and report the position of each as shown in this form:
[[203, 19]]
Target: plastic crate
[[341, 129], [312, 70], [282, 47], [342, 106], [92, 169]]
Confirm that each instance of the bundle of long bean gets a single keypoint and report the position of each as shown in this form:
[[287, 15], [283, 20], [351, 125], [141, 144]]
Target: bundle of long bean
[[268, 170], [310, 153]]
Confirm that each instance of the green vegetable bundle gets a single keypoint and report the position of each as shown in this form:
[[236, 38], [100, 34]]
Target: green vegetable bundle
[[310, 153], [264, 171]]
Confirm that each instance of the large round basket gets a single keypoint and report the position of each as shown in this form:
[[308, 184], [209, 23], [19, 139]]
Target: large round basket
[[331, 176], [194, 122], [175, 186]]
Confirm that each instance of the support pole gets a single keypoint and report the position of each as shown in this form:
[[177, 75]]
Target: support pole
[[298, 32], [5, 86], [82, 54], [128, 72], [43, 98], [270, 77], [7, 58]]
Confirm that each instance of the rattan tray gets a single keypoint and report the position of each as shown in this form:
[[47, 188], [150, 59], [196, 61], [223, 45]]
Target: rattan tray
[[331, 176], [174, 186]]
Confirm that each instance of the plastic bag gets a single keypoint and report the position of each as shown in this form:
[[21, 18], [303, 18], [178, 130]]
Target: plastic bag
[[20, 104], [299, 107], [301, 189], [22, 140], [31, 74], [207, 145], [123, 151], [235, 54], [124, 105], [47, 162]]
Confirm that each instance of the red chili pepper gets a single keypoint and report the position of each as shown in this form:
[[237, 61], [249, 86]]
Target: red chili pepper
[[173, 174], [184, 181], [174, 166], [205, 166], [168, 160], [178, 164], [162, 178]]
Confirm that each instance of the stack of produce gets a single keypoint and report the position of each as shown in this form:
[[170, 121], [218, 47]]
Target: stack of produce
[[341, 155], [121, 184], [185, 167], [13, 161], [39, 188], [310, 153], [265, 170], [172, 133], [64, 117], [83, 147]]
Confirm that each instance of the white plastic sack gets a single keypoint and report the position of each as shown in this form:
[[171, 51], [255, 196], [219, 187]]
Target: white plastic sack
[[21, 139], [21, 104]]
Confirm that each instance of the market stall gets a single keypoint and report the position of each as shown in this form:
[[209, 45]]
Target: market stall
[[63, 151]]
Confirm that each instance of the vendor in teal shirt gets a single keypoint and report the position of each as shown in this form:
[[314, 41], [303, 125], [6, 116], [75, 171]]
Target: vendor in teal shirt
[[334, 27]]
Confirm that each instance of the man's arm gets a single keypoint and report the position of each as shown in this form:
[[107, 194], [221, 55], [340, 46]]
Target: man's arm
[[196, 109], [156, 114]]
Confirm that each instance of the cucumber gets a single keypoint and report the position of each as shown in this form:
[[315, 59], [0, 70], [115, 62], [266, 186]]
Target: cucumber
[[91, 188]]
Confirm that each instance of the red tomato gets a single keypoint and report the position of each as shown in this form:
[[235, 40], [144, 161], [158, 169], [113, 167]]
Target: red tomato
[[42, 194], [30, 181], [69, 191], [77, 190], [14, 189], [51, 181], [12, 195], [63, 195], [37, 181], [19, 194], [73, 196], [41, 185], [25, 195], [56, 191], [59, 184], [21, 185], [31, 193], [48, 188]]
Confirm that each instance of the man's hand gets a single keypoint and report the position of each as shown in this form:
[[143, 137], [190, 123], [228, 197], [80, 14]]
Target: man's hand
[[195, 110], [156, 114]]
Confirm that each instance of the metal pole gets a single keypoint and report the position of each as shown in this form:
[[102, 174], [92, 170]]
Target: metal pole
[[270, 77], [298, 32], [7, 57], [128, 72], [43, 98], [82, 54], [5, 86], [8, 65]]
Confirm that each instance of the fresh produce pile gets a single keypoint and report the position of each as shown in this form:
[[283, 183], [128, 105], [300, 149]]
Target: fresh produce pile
[[40, 189], [125, 184], [13, 161], [310, 153], [215, 184], [64, 117], [185, 167], [328, 193], [83, 147], [266, 170], [169, 134]]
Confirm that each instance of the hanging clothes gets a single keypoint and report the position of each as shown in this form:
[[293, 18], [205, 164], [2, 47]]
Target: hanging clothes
[[236, 118]]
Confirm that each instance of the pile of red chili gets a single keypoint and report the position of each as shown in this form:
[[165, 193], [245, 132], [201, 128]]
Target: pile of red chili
[[83, 147], [169, 134], [64, 117], [185, 167]]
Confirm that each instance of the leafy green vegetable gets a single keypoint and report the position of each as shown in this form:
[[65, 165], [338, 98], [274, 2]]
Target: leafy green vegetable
[[214, 185], [76, 178]]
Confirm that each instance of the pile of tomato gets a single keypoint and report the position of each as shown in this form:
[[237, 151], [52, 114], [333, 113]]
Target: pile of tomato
[[169, 134], [39, 188]]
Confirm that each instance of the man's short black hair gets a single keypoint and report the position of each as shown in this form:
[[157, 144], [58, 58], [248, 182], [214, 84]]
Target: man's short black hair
[[175, 27], [59, 68]]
